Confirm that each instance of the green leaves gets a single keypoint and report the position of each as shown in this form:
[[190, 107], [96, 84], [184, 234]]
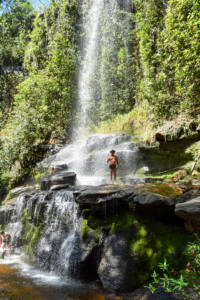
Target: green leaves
[[177, 281], [44, 100]]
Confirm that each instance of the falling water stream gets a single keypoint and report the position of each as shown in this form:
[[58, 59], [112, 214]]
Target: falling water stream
[[57, 253], [58, 247], [88, 65]]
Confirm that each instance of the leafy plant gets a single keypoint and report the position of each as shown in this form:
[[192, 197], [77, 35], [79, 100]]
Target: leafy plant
[[180, 281]]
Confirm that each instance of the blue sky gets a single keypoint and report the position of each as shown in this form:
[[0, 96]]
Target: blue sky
[[38, 3]]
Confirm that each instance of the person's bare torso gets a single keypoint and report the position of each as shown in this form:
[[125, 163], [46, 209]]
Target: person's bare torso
[[113, 160]]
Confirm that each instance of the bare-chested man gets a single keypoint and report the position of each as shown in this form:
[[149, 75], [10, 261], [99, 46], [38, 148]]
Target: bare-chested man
[[113, 164]]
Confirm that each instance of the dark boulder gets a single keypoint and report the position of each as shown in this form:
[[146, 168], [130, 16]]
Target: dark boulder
[[63, 178], [104, 199], [156, 205], [150, 199], [58, 179], [6, 212], [117, 268], [45, 184], [145, 294], [189, 211], [161, 294]]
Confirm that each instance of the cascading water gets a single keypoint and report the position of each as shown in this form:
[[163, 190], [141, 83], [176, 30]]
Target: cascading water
[[88, 65], [58, 248], [90, 164]]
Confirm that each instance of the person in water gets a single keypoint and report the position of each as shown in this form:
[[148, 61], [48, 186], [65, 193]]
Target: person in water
[[5, 242], [113, 164]]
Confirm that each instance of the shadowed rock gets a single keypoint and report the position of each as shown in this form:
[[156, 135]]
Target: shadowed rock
[[5, 214], [189, 211], [147, 198], [116, 269]]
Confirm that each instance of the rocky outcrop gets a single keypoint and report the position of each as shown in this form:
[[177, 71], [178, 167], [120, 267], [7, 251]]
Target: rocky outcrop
[[5, 214], [102, 199], [117, 268], [145, 294], [147, 198], [21, 190], [58, 179], [189, 211], [122, 239]]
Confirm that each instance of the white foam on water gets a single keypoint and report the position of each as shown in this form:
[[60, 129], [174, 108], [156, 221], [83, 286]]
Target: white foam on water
[[39, 277]]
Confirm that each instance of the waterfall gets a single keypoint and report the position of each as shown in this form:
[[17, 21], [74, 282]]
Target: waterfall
[[88, 64], [107, 26], [58, 246], [101, 24]]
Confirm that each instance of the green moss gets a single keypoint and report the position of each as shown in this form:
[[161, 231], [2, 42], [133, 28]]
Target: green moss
[[91, 233], [38, 174], [162, 189], [8, 197], [142, 172], [85, 230], [149, 240], [30, 234], [170, 156], [161, 241]]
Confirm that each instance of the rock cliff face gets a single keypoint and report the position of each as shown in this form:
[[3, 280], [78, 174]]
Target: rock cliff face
[[115, 233]]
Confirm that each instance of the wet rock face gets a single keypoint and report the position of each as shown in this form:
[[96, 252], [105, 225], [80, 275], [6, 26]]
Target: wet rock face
[[20, 190], [62, 179], [106, 198], [116, 268], [5, 214], [108, 253]]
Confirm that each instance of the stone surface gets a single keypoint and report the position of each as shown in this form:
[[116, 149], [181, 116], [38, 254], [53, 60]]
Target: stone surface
[[160, 294], [96, 195], [158, 206], [58, 179], [6, 212], [104, 199], [63, 178], [139, 294], [60, 167], [105, 254], [145, 294], [149, 198], [21, 189], [116, 269], [59, 187], [189, 211]]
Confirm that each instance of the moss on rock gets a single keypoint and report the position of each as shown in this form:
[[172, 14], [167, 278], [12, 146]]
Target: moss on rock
[[170, 190], [30, 234], [149, 241]]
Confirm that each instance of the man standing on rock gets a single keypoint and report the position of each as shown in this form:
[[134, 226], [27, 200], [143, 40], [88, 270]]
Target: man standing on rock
[[113, 164]]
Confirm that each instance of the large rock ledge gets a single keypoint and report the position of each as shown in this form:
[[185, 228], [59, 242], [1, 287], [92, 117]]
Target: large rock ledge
[[148, 198], [154, 199]]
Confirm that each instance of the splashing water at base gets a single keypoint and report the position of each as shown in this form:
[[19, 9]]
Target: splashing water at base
[[20, 280], [88, 158]]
